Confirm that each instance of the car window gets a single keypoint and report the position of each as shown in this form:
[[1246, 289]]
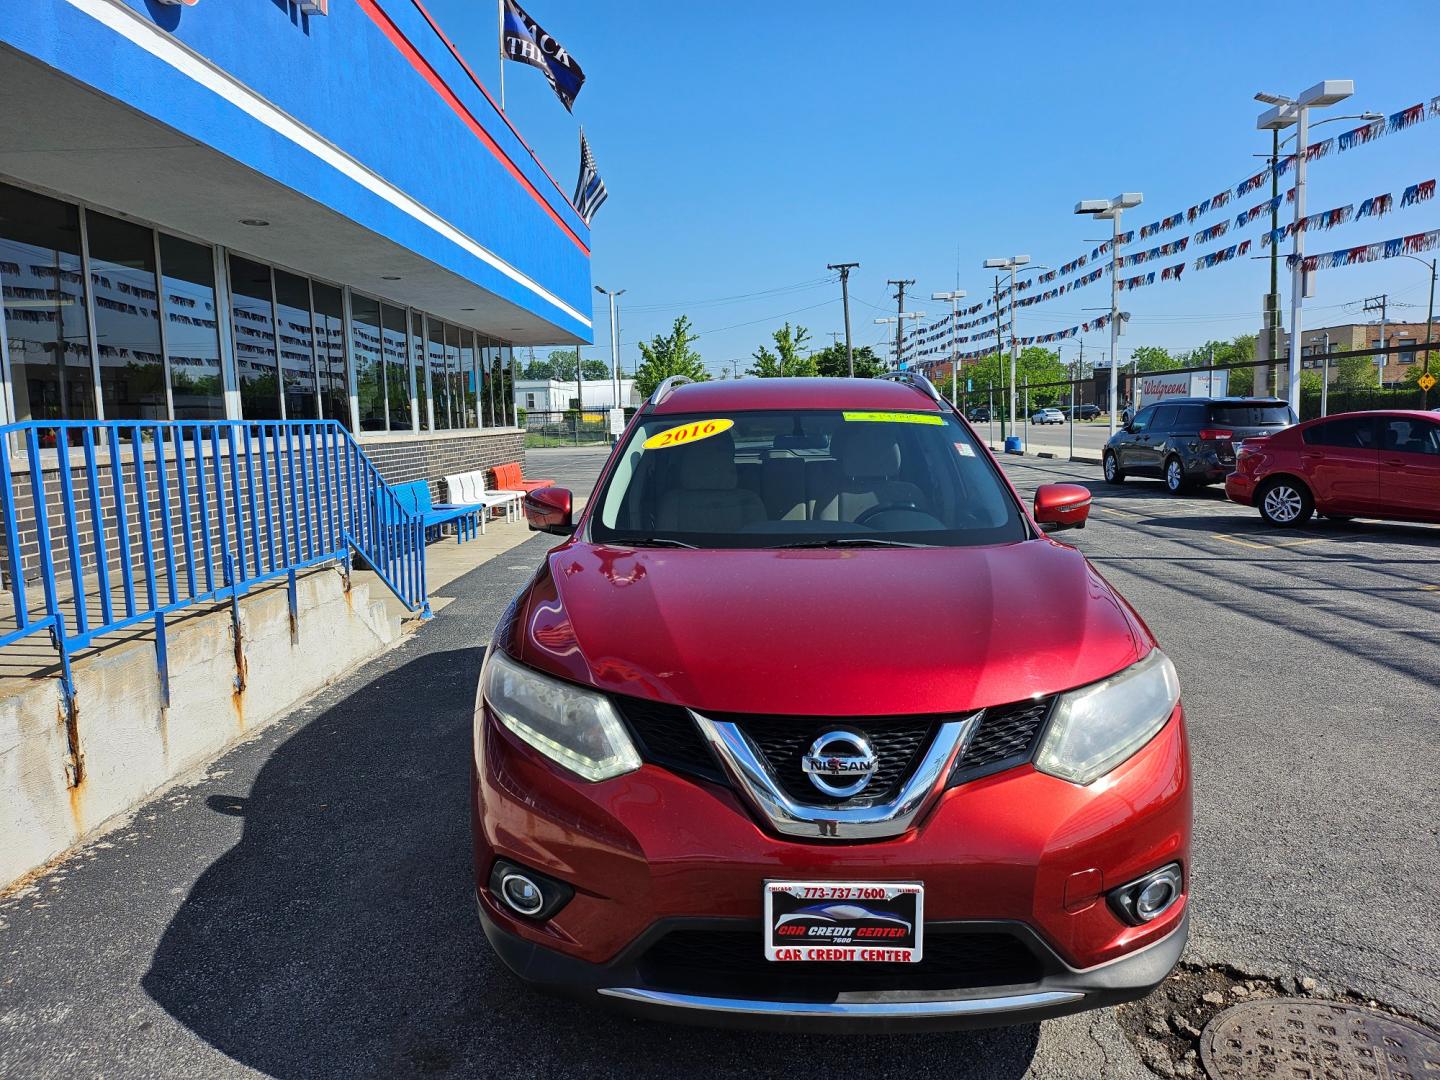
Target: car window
[[1409, 436], [1351, 432], [1143, 418], [786, 478], [1164, 419], [1224, 414], [1190, 418]]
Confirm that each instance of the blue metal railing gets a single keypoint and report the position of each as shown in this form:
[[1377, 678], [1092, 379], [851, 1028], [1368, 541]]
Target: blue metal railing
[[145, 519]]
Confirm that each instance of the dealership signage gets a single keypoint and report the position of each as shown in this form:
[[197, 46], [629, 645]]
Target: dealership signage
[[1157, 387]]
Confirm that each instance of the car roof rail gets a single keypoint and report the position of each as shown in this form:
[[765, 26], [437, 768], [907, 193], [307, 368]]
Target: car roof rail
[[664, 389], [915, 379]]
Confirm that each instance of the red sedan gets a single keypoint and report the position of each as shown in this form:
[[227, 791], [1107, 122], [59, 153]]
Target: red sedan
[[1383, 464], [808, 724]]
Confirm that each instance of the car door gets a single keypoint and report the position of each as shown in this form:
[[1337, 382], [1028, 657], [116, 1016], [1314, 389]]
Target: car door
[[1409, 468], [1130, 442], [1153, 449], [1340, 461]]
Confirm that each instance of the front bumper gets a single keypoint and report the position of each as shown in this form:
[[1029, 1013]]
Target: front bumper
[[623, 985], [1018, 855]]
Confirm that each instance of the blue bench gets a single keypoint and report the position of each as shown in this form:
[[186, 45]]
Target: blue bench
[[415, 498]]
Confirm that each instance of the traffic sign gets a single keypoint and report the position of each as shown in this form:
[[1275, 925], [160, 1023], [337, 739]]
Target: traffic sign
[[1427, 381]]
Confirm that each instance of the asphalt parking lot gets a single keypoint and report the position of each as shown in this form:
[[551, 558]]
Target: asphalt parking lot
[[304, 908]]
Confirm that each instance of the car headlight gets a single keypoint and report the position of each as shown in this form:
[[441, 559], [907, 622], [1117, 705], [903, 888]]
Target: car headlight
[[1095, 728], [576, 728]]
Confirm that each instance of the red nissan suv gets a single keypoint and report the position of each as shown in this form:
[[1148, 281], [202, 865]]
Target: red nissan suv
[[808, 725]]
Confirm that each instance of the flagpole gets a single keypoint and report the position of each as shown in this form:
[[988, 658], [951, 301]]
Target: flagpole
[[500, 10]]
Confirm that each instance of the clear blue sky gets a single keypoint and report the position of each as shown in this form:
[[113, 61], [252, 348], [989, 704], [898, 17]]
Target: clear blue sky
[[745, 145]]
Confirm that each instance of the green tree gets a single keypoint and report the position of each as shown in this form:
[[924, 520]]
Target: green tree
[[1035, 366], [669, 354], [1356, 373], [1154, 358], [831, 362], [560, 364], [1239, 350], [786, 360]]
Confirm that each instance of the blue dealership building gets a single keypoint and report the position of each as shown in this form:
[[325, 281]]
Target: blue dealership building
[[273, 209]]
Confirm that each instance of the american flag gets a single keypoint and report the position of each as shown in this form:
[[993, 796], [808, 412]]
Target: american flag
[[589, 189]]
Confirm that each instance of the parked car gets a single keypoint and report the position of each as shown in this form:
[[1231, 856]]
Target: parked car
[[979, 415], [1086, 412], [1047, 416], [1189, 441], [1366, 464], [706, 789]]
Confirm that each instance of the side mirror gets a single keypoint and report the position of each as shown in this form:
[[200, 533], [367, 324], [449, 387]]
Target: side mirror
[[549, 509], [1062, 506]]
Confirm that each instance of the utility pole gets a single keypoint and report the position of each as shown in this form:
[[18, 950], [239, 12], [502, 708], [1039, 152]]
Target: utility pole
[[1272, 298], [844, 270], [1325, 379], [900, 311], [1380, 304]]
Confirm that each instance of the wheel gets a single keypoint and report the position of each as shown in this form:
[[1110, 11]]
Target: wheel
[[1285, 502], [1175, 480], [1113, 473]]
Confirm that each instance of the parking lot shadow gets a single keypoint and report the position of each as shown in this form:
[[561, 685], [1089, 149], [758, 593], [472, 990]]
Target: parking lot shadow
[[339, 937]]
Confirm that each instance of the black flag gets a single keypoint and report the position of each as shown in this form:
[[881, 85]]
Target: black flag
[[589, 189], [526, 42]]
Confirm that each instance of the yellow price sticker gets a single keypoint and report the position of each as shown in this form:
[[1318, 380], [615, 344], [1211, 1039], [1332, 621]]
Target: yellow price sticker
[[894, 417], [686, 433]]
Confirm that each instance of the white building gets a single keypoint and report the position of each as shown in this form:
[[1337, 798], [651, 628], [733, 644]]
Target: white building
[[553, 395]]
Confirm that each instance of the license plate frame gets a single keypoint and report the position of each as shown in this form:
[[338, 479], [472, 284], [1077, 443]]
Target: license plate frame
[[893, 932]]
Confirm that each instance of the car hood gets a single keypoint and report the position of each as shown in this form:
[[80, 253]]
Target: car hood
[[852, 632]]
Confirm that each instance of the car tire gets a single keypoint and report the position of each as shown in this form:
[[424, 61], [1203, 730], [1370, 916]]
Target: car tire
[[1113, 473], [1176, 482], [1285, 503]]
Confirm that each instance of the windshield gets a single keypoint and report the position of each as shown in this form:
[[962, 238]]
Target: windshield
[[1252, 415], [805, 478]]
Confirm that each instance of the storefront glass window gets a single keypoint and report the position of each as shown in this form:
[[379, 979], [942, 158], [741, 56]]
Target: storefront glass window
[[469, 374], [397, 369], [192, 330], [252, 319], [297, 345], [127, 318], [417, 353], [369, 375], [330, 351], [44, 300], [439, 380]]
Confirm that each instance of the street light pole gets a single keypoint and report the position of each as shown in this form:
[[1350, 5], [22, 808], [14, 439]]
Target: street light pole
[[1010, 264], [887, 320], [1429, 324], [954, 296], [1112, 209], [614, 344], [1283, 113]]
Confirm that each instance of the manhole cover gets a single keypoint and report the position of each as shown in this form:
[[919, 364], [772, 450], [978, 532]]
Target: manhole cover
[[1291, 1039]]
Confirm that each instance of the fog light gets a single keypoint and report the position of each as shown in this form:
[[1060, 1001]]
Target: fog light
[[521, 893], [1150, 897], [526, 892]]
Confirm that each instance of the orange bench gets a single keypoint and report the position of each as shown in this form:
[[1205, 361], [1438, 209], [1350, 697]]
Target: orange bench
[[508, 478]]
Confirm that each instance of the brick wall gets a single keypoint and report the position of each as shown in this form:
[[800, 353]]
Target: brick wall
[[432, 458]]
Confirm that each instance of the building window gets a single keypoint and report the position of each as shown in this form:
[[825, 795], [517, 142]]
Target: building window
[[469, 374], [397, 368], [506, 390], [417, 354], [369, 371], [252, 320], [44, 300], [334, 388], [192, 329], [529, 400], [297, 346], [1407, 357], [127, 318], [439, 383]]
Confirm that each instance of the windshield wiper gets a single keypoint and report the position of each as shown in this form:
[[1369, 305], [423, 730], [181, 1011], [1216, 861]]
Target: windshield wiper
[[647, 541], [856, 541]]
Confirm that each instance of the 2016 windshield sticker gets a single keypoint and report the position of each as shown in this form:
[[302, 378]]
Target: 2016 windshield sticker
[[686, 433], [894, 417]]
